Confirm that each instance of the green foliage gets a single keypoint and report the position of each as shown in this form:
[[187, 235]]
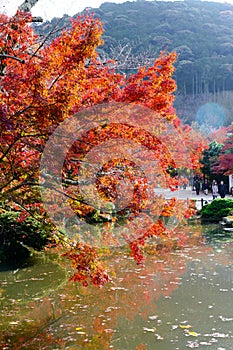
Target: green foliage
[[210, 157], [17, 237], [216, 210], [200, 31]]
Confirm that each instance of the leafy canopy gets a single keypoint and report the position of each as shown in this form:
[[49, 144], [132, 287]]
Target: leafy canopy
[[42, 86]]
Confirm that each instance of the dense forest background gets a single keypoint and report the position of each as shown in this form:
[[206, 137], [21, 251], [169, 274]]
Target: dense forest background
[[200, 32]]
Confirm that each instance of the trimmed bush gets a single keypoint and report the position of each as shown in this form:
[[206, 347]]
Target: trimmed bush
[[216, 210]]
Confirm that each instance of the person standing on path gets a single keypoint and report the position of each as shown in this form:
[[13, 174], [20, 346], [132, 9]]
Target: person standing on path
[[197, 186], [214, 189], [222, 189], [205, 187]]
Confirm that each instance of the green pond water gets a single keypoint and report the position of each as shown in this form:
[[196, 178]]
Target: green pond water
[[179, 300]]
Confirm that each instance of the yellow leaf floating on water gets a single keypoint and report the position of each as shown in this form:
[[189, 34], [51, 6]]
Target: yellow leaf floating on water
[[194, 334], [79, 329], [185, 326]]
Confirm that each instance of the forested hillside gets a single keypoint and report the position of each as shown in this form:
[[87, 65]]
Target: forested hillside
[[200, 32]]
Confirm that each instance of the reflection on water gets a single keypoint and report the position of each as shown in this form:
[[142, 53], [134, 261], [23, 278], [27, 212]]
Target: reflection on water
[[177, 301], [35, 279]]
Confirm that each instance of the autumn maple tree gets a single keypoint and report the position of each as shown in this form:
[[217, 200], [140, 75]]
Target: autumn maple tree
[[44, 85], [224, 163]]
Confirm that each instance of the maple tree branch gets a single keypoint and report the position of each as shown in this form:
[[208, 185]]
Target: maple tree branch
[[3, 56], [19, 112], [60, 75], [27, 182], [8, 149], [6, 184], [56, 79], [46, 37], [78, 199], [16, 140]]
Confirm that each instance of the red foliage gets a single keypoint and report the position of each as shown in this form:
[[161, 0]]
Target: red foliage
[[224, 164], [45, 85], [85, 261]]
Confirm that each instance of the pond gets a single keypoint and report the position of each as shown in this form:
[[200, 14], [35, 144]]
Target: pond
[[176, 301]]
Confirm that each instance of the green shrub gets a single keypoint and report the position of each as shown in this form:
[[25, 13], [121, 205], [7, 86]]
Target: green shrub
[[216, 210], [16, 237]]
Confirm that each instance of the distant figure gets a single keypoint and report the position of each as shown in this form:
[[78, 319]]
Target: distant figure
[[197, 186], [214, 189], [222, 189], [205, 187]]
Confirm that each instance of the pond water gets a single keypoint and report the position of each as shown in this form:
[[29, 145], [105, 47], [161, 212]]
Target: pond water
[[176, 301]]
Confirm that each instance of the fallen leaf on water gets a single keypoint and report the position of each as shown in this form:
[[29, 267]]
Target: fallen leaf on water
[[14, 322], [174, 326], [226, 319], [194, 334], [152, 318], [159, 337], [192, 345], [109, 330], [149, 329], [185, 327]]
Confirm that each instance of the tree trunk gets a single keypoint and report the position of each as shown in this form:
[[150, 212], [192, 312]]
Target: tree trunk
[[27, 5]]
